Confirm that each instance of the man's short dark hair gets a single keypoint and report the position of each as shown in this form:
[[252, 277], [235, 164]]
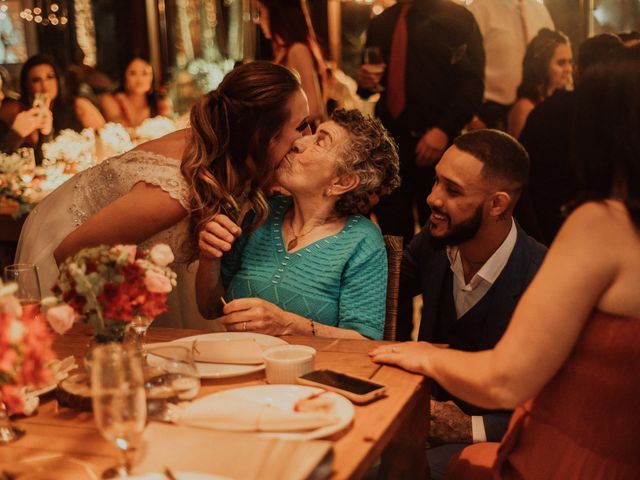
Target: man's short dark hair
[[597, 48], [504, 158]]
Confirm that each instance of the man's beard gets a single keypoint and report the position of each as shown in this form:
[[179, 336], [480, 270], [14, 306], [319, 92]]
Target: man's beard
[[459, 233]]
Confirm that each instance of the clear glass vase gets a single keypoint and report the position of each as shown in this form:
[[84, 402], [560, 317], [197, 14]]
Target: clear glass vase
[[8, 433]]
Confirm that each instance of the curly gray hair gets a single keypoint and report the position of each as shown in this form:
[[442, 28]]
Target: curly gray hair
[[372, 154]]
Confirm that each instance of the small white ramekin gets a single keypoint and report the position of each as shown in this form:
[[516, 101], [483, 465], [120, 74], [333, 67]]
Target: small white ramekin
[[285, 363]]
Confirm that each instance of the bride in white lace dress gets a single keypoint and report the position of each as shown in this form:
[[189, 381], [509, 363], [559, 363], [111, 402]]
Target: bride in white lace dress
[[166, 190]]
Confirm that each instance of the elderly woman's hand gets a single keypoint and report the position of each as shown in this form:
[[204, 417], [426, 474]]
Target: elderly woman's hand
[[412, 356], [218, 236], [256, 315]]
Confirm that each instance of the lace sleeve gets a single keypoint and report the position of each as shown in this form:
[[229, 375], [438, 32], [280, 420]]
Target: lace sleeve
[[154, 169]]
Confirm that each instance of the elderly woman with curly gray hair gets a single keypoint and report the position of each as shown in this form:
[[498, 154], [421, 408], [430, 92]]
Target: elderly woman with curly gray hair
[[316, 266]]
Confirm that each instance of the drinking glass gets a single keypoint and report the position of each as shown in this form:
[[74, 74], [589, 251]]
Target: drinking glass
[[372, 57], [119, 407], [139, 325], [25, 275], [170, 376]]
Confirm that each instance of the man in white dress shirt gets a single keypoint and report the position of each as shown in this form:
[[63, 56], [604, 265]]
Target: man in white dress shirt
[[507, 27], [471, 263]]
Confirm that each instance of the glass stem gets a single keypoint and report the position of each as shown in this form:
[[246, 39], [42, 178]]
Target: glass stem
[[8, 433]]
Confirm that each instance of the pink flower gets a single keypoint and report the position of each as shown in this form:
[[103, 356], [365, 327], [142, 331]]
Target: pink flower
[[161, 254], [156, 282], [61, 318], [128, 251]]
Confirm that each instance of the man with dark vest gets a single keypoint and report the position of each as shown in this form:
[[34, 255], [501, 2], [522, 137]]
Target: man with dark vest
[[471, 263]]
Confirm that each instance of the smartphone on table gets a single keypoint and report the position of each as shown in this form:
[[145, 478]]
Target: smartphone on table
[[356, 389]]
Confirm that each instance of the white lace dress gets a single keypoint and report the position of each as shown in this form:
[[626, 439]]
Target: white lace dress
[[71, 204]]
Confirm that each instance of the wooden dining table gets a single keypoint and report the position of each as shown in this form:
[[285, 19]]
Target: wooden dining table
[[394, 428]]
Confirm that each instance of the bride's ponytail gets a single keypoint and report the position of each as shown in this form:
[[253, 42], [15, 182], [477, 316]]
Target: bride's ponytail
[[230, 125]]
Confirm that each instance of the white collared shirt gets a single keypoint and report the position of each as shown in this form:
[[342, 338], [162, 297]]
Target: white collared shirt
[[504, 41], [466, 295]]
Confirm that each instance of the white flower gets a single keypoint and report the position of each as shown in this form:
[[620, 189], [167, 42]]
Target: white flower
[[161, 254], [156, 283], [15, 332], [61, 318]]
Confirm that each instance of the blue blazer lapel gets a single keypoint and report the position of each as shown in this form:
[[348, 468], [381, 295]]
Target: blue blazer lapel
[[508, 288]]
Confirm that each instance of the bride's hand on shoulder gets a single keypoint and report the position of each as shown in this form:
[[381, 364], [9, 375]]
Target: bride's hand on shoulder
[[217, 237]]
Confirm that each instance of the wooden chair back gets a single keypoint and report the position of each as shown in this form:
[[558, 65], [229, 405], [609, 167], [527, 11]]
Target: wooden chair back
[[393, 244]]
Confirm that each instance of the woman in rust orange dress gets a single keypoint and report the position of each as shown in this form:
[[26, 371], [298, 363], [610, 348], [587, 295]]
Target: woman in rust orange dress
[[570, 357]]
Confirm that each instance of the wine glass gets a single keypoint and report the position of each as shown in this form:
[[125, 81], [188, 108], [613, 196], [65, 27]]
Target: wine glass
[[25, 275], [139, 325], [170, 376], [372, 57], [119, 407]]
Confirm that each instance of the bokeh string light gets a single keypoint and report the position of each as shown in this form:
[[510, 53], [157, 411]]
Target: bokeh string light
[[46, 13]]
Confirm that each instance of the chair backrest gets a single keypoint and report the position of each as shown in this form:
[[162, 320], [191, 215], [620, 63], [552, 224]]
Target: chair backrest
[[393, 245]]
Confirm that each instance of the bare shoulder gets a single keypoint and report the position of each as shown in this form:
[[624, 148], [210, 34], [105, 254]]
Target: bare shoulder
[[522, 107], [171, 145], [602, 231], [605, 214], [107, 99], [299, 53]]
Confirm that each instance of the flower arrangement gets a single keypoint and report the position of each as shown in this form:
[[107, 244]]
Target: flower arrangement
[[16, 195], [115, 137], [108, 286], [155, 127], [76, 150], [12, 162], [25, 350]]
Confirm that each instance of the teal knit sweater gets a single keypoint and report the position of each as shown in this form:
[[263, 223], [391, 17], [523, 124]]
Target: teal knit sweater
[[340, 280]]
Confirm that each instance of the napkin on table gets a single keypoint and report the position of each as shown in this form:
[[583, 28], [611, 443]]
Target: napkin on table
[[232, 413], [244, 351]]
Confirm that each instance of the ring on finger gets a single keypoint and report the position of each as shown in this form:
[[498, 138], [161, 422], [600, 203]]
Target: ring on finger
[[244, 326]]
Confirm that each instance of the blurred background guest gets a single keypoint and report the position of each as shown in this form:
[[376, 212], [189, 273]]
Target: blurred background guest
[[547, 67], [136, 99], [287, 25], [507, 27], [24, 123], [43, 92], [547, 138]]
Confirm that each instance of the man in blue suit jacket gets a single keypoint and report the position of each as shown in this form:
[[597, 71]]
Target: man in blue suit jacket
[[471, 263]]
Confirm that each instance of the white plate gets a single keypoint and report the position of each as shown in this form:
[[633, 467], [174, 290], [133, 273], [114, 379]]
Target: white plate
[[178, 475], [225, 370], [285, 397]]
